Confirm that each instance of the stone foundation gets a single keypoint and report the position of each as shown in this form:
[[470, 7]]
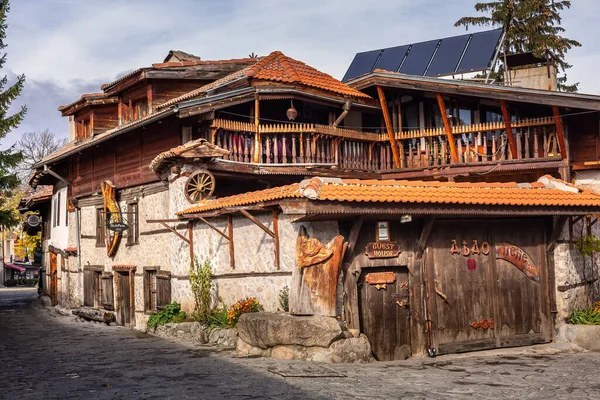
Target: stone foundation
[[289, 337], [197, 332]]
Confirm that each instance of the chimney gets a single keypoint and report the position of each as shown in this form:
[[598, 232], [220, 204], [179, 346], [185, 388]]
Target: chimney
[[531, 72]]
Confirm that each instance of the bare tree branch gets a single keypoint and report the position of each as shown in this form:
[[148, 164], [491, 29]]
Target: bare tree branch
[[35, 146]]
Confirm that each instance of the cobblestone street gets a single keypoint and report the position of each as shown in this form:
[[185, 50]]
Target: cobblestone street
[[48, 356]]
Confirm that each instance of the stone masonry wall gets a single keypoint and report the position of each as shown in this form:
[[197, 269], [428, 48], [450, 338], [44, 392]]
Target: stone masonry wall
[[577, 276]]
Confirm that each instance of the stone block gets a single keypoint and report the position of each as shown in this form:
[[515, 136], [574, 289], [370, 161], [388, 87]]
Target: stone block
[[354, 332], [267, 330], [289, 352], [244, 349], [351, 350], [584, 336]]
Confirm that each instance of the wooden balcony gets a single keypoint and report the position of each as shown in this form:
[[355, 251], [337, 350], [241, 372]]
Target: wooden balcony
[[346, 149]]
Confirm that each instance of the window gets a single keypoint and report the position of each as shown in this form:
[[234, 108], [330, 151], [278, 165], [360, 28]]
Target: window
[[99, 228], [132, 222], [150, 290], [92, 285], [98, 288], [56, 211], [84, 129], [157, 289]]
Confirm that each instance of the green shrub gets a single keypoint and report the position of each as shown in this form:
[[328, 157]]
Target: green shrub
[[284, 299], [218, 318], [171, 313], [591, 316], [588, 245], [201, 285]]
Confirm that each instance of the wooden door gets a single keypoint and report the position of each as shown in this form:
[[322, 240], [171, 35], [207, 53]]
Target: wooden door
[[123, 299], [461, 287], [385, 311], [523, 302], [53, 279]]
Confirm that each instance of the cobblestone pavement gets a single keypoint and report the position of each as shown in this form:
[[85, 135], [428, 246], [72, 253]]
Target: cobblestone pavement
[[47, 356]]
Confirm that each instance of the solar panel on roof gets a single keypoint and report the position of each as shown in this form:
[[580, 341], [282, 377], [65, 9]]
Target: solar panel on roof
[[391, 58], [418, 58], [448, 55], [363, 63], [480, 52], [472, 52]]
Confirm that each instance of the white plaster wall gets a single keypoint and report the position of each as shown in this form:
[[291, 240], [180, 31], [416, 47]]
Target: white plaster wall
[[59, 235]]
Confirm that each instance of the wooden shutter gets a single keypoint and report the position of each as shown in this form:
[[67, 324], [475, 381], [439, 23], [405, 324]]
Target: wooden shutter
[[99, 229], [107, 292], [163, 289], [88, 287]]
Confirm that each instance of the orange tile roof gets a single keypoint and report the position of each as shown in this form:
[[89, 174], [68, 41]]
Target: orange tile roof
[[277, 67], [547, 192]]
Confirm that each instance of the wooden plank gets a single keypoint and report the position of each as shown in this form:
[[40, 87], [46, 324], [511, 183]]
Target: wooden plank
[[422, 243], [131, 299], [448, 128], [388, 125], [507, 123], [276, 237], [258, 223], [560, 132], [257, 144]]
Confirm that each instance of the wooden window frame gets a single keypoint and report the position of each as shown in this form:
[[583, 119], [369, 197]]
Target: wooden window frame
[[150, 290], [100, 234], [133, 231]]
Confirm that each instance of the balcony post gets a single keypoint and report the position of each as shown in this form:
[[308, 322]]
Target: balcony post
[[257, 146], [448, 128], [511, 140], [560, 133], [388, 125]]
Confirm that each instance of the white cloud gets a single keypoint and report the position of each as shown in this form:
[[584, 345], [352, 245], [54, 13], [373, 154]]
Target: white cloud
[[66, 46]]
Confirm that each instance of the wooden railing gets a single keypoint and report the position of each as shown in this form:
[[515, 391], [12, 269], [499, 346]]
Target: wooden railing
[[282, 144]]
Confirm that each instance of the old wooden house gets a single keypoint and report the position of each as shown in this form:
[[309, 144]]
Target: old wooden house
[[448, 205]]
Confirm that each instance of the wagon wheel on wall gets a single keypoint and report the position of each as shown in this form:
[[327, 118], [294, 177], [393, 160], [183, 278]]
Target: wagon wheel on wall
[[199, 186]]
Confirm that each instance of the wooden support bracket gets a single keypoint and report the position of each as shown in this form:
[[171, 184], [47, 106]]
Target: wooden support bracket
[[388, 125], [560, 222], [447, 127], [214, 228], [560, 132], [353, 238], [174, 231], [422, 243], [258, 223], [511, 139]]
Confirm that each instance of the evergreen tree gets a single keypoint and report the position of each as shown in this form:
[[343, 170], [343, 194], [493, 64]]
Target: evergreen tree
[[9, 159], [530, 26]]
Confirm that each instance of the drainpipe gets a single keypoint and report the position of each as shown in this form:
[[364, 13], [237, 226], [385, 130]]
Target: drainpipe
[[346, 108], [78, 234]]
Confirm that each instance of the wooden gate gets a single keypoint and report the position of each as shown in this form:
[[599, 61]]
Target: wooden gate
[[477, 298], [124, 306], [53, 279], [385, 311]]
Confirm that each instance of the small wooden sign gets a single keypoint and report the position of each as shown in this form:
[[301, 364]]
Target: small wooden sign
[[382, 249], [379, 278]]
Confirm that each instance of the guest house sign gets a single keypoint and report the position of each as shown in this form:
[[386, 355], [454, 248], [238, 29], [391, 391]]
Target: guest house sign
[[382, 249]]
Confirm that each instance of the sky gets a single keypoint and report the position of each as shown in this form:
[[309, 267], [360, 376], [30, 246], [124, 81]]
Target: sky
[[69, 47]]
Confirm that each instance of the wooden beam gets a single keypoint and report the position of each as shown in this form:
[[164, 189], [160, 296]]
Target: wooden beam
[[556, 231], [191, 242], [214, 228], [511, 139], [560, 132], [276, 237], [231, 244], [353, 238], [158, 221], [175, 232], [258, 223], [422, 243], [447, 127], [388, 125]]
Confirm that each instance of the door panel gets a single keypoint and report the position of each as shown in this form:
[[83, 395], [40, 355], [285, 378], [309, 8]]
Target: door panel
[[123, 300], [385, 313], [53, 278]]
